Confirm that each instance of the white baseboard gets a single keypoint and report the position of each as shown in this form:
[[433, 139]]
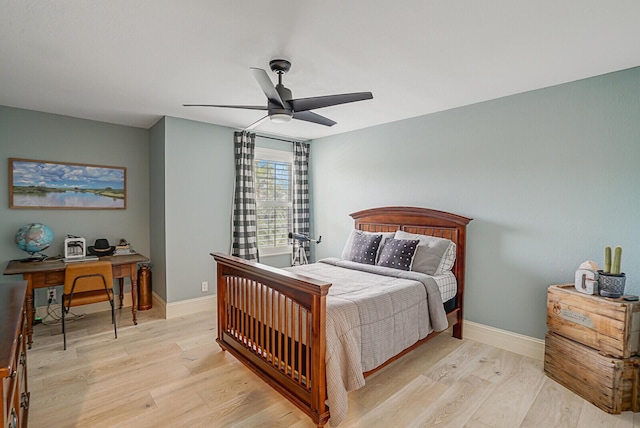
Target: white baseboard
[[41, 311], [158, 302], [503, 339], [170, 310], [185, 307]]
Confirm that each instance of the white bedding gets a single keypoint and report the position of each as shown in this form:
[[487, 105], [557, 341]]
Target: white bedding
[[373, 313]]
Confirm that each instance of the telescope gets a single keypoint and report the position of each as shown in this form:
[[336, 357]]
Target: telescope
[[304, 238], [301, 255]]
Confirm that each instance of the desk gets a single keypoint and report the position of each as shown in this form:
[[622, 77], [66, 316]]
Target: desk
[[51, 272]]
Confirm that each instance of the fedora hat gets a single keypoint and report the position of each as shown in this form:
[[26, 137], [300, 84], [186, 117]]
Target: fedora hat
[[101, 248]]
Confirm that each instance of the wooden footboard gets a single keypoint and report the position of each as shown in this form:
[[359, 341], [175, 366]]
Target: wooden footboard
[[273, 321]]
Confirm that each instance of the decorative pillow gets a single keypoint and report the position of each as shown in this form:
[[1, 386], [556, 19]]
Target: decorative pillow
[[365, 248], [346, 252], [434, 256], [398, 253]]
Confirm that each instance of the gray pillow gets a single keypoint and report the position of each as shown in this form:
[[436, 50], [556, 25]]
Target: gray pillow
[[365, 248], [398, 253], [433, 256], [346, 251]]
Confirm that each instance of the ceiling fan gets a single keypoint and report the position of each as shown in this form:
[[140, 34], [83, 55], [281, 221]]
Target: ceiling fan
[[282, 107]]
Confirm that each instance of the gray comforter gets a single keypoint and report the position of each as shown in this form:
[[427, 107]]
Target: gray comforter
[[373, 313]]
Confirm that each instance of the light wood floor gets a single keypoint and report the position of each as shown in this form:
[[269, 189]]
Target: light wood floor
[[172, 373]]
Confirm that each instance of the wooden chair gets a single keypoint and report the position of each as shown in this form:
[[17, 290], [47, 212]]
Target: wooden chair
[[85, 283]]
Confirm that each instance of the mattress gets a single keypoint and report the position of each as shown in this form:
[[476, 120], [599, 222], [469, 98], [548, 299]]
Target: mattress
[[447, 285]]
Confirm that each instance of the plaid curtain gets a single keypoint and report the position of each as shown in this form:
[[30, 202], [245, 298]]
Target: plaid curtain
[[245, 236], [301, 194]]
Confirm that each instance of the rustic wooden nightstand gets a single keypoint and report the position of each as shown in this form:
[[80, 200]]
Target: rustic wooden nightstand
[[592, 347]]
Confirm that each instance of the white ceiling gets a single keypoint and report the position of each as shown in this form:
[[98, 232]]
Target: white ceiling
[[132, 62]]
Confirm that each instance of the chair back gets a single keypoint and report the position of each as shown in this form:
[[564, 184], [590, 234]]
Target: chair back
[[89, 283], [85, 283]]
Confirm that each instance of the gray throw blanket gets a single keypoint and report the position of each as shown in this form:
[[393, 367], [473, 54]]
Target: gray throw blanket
[[373, 314]]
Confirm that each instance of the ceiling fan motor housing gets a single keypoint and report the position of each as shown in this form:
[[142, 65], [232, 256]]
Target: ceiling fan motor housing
[[276, 109], [285, 95]]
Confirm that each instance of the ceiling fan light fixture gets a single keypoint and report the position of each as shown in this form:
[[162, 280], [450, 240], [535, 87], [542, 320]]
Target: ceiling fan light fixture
[[280, 118]]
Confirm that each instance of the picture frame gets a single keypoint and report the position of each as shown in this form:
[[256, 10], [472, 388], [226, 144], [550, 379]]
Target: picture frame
[[37, 184]]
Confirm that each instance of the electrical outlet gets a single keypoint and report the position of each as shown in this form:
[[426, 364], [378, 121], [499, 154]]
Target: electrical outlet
[[52, 293], [205, 286]]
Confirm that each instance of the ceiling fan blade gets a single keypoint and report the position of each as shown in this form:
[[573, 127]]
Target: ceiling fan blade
[[256, 123], [310, 116], [304, 104], [267, 86], [226, 106]]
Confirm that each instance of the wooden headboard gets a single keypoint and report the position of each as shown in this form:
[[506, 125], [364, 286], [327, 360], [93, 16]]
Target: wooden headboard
[[422, 221]]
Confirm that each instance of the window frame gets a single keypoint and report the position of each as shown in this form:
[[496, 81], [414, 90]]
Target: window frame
[[266, 154]]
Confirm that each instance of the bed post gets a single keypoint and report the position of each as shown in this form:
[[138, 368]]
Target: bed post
[[459, 273], [319, 372], [221, 296]]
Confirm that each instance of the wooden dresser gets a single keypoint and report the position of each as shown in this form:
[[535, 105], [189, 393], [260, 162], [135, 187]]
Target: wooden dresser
[[13, 355], [592, 347]]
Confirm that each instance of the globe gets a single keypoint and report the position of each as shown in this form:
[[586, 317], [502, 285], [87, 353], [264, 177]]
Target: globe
[[34, 238]]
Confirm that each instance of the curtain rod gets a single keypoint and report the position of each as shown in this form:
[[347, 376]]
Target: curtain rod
[[274, 138], [278, 139]]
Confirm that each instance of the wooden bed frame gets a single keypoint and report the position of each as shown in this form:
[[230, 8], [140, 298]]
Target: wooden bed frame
[[273, 320]]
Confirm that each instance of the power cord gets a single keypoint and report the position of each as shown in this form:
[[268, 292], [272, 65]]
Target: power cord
[[55, 313]]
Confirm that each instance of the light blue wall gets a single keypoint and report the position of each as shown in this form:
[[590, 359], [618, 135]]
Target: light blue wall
[[180, 178], [157, 223], [42, 136], [199, 176], [192, 179], [550, 177]]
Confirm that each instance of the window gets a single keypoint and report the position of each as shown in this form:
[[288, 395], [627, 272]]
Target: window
[[274, 184]]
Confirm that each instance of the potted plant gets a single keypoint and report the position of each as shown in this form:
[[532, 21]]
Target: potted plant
[[610, 279]]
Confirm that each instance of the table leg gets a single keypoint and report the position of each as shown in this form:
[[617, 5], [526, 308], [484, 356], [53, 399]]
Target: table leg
[[121, 284], [134, 296], [31, 310]]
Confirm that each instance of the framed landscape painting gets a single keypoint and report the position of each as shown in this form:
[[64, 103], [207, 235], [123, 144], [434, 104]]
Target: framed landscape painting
[[61, 185]]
